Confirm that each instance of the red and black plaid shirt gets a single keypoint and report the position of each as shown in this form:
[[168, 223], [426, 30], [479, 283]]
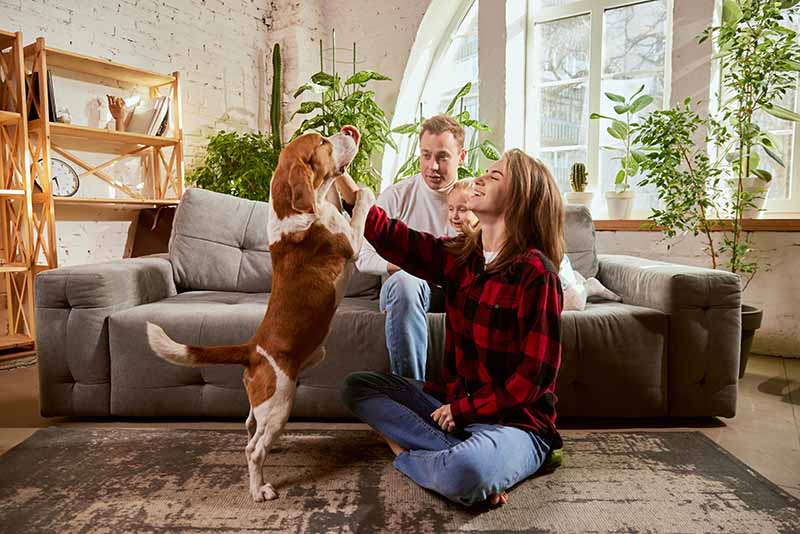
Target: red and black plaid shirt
[[503, 330]]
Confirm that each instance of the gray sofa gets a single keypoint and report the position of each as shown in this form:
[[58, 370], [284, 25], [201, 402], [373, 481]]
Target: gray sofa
[[671, 348]]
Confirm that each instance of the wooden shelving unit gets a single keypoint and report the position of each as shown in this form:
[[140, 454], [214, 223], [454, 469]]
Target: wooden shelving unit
[[18, 204], [162, 157]]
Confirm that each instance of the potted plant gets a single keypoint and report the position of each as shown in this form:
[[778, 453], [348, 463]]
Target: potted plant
[[578, 183], [620, 201], [347, 102], [759, 60]]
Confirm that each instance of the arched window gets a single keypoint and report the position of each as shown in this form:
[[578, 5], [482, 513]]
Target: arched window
[[444, 58]]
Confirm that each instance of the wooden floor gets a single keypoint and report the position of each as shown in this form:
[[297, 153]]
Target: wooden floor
[[765, 434]]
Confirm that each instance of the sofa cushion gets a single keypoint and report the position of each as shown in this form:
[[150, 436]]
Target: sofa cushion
[[144, 385], [580, 238], [220, 243], [613, 361]]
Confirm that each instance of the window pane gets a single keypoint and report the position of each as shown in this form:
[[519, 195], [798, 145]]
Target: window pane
[[634, 41], [562, 49], [559, 163], [457, 66], [541, 4], [634, 38], [563, 112]]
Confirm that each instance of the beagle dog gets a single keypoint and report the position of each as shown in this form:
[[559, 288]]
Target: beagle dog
[[313, 249]]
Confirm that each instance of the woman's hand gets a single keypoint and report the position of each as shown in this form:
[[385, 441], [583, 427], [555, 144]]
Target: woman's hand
[[444, 418]]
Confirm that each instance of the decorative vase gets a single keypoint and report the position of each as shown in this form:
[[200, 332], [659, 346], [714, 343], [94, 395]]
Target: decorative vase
[[620, 205], [757, 188], [580, 197]]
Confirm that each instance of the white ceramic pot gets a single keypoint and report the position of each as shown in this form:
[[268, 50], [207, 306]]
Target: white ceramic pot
[[620, 205], [584, 198], [757, 188]]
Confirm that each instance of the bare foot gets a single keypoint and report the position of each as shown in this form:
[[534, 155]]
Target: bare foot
[[498, 499], [396, 449]]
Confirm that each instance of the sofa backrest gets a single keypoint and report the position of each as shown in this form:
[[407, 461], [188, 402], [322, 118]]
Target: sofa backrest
[[219, 242], [579, 234]]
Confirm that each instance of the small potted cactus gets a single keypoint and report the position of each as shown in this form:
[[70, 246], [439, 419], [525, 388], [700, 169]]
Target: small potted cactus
[[578, 183]]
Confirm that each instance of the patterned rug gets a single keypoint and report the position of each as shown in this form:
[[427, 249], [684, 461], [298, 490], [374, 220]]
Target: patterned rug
[[115, 481]]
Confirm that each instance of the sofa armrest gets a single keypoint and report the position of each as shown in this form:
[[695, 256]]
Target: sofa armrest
[[72, 308], [704, 307]]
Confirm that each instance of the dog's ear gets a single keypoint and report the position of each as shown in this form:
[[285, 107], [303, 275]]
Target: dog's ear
[[300, 177]]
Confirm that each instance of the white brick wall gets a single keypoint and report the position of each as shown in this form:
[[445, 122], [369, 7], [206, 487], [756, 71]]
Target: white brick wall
[[217, 46]]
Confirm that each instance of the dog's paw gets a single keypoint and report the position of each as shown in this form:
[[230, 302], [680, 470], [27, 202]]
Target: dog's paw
[[264, 493]]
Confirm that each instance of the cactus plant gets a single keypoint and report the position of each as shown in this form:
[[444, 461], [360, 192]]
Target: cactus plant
[[577, 177], [275, 103]]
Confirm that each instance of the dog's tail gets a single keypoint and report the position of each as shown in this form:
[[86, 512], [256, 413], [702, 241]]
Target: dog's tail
[[194, 356]]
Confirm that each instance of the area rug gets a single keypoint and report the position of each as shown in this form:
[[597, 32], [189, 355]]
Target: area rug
[[187, 481]]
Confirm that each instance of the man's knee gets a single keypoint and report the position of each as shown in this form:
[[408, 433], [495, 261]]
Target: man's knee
[[403, 288]]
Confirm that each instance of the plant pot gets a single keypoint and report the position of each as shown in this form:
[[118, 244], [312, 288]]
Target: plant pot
[[620, 205], [757, 188], [583, 197], [751, 321]]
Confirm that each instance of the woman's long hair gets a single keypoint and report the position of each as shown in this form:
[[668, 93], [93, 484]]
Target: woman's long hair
[[534, 215]]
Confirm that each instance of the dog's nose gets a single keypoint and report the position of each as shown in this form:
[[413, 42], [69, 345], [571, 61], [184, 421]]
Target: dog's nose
[[352, 131]]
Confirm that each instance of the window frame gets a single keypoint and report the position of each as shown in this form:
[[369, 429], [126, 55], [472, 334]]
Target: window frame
[[595, 9]]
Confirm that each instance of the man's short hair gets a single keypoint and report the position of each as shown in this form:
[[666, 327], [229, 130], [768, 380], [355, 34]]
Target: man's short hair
[[439, 124]]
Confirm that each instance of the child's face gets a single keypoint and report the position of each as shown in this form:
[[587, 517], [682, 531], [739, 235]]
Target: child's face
[[457, 211]]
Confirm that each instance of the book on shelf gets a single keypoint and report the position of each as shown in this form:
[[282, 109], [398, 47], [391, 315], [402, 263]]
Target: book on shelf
[[148, 116], [33, 111]]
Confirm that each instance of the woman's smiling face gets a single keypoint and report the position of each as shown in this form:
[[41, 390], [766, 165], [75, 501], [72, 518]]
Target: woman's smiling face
[[491, 191]]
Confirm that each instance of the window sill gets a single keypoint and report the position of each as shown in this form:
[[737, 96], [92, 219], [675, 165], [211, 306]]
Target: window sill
[[750, 225]]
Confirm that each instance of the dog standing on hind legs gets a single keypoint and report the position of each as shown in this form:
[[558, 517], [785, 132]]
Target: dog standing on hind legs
[[313, 250]]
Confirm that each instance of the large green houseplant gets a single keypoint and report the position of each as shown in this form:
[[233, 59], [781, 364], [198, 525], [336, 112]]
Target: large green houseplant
[[759, 63], [475, 147], [347, 102], [241, 164]]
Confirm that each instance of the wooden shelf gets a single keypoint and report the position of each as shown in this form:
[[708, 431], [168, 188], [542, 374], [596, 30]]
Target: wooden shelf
[[14, 340], [98, 140], [70, 61], [6, 39], [7, 117], [110, 202], [749, 225], [8, 268]]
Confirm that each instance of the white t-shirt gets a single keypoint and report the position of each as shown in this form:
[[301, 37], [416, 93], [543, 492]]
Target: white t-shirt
[[418, 206]]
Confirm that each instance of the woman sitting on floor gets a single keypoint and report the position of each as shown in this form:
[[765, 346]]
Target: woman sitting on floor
[[491, 424]]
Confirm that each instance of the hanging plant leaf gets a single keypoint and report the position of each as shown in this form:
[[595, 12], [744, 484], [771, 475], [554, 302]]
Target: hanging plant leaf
[[307, 107], [781, 112], [407, 128], [763, 174], [362, 77], [615, 97], [324, 79], [489, 150], [464, 91], [731, 12], [302, 89], [640, 103]]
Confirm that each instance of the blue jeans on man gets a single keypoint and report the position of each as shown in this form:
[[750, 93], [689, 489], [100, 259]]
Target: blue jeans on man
[[466, 466], [406, 300]]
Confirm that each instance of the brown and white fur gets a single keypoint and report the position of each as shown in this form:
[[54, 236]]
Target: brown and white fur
[[313, 251]]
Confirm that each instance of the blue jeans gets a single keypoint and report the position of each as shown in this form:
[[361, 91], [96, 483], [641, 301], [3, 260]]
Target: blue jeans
[[466, 466], [405, 299]]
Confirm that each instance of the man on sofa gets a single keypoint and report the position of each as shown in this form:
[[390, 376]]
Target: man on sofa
[[421, 202]]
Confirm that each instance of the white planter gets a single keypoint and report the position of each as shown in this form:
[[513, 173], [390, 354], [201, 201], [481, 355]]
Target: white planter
[[584, 198], [757, 188], [620, 205]]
